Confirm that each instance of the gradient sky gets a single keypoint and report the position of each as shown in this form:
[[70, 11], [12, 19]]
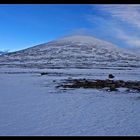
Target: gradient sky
[[26, 25]]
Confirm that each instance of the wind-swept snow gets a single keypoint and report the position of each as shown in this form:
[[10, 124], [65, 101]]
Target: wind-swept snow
[[31, 105]]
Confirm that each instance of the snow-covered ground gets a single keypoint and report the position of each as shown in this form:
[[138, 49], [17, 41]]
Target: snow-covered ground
[[31, 105]]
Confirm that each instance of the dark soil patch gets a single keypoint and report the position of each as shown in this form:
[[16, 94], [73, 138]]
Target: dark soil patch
[[112, 85]]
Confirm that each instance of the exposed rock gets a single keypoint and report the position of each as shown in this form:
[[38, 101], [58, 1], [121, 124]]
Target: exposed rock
[[112, 85], [44, 73], [111, 76]]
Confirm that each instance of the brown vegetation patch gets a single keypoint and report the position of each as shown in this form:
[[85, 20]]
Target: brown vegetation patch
[[112, 85]]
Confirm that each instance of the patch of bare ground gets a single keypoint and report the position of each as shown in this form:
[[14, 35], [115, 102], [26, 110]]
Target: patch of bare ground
[[112, 85]]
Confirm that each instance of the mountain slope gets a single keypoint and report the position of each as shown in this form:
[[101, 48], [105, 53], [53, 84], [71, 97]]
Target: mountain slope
[[72, 51], [3, 52]]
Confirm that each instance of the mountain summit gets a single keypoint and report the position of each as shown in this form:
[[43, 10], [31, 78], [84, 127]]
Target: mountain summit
[[72, 52]]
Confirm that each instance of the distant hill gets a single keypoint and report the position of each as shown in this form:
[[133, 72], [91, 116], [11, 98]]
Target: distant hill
[[73, 52], [3, 52]]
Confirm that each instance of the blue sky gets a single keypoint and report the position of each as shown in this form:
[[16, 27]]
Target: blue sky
[[26, 25]]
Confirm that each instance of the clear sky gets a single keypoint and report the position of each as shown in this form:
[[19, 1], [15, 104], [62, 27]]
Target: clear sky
[[26, 25]]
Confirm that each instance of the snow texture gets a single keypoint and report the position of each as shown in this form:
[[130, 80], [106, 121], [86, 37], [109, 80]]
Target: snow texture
[[31, 105]]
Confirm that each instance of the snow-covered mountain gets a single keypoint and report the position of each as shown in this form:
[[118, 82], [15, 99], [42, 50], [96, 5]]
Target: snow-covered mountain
[[72, 52], [3, 52]]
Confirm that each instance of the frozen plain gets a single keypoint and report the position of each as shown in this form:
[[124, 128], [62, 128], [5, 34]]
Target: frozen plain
[[31, 105]]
